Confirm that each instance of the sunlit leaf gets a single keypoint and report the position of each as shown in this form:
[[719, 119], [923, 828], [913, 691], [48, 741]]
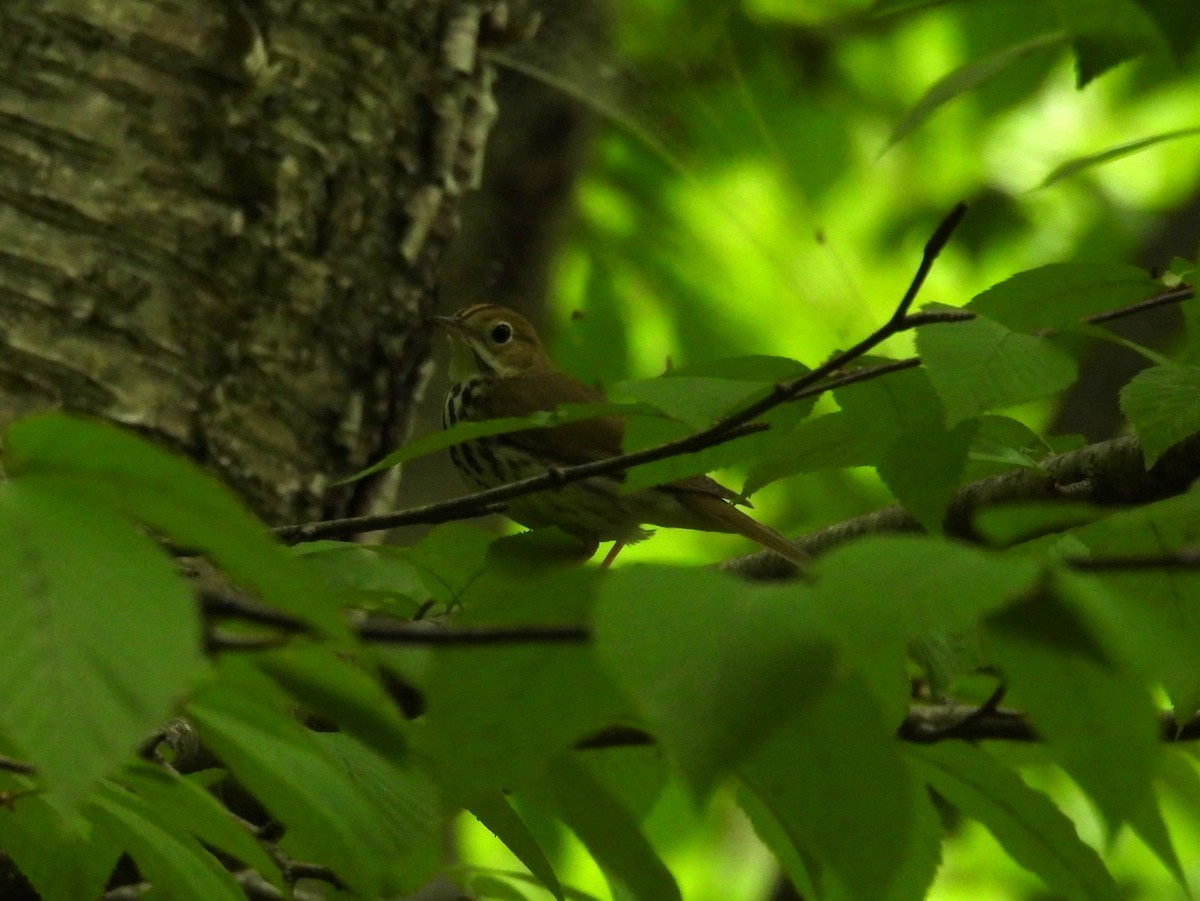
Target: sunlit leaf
[[1025, 822], [1108, 155], [1062, 295], [980, 365], [494, 811], [609, 831], [968, 77]]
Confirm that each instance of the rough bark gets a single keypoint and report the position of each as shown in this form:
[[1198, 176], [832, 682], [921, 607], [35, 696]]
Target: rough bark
[[221, 221]]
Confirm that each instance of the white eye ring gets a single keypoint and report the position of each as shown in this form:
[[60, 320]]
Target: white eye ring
[[501, 333]]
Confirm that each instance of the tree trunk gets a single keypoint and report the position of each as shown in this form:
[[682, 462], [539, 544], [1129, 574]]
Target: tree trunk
[[221, 222]]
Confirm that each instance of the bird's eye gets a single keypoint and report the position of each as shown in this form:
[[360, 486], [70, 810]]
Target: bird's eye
[[501, 333]]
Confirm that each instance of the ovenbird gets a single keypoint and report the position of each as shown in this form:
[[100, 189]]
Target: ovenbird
[[498, 369]]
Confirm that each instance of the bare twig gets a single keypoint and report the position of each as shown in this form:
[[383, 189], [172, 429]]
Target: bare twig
[[1185, 558], [379, 629], [420, 633], [11, 765], [929, 724], [1174, 295]]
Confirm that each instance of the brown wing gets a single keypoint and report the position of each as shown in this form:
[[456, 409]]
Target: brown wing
[[576, 442]]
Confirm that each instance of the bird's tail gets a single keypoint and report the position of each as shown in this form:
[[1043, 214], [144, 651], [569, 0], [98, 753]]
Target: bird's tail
[[729, 518]]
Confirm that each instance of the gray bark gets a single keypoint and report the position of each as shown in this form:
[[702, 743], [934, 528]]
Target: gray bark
[[221, 222]]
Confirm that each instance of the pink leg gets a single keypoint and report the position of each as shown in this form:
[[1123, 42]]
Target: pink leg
[[612, 554]]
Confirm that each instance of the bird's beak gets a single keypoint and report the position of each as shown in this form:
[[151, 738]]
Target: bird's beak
[[451, 324]]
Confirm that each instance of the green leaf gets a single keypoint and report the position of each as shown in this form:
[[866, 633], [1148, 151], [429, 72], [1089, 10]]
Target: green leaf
[[609, 831], [103, 634], [968, 77], [61, 854], [1154, 613], [897, 424], [980, 365], [1098, 721], [1001, 443], [694, 400], [497, 714], [493, 811], [925, 465], [481, 880], [469, 431], [185, 806], [766, 370], [172, 861], [365, 576], [331, 686], [1163, 403], [1181, 784], [124, 473], [1105, 33], [707, 661], [800, 868], [1030, 828], [832, 441], [836, 782], [1177, 23], [1063, 295], [328, 818], [947, 587], [405, 805], [642, 432], [1116, 152], [449, 559], [1009, 524]]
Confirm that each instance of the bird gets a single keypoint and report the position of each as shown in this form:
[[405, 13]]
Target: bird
[[499, 368]]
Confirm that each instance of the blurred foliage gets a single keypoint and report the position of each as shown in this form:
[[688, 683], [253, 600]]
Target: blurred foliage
[[771, 169], [761, 200]]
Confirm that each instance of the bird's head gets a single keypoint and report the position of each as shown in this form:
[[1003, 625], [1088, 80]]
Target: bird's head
[[490, 340]]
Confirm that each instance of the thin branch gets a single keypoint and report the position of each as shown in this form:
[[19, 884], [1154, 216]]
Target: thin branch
[[12, 765], [866, 374], [615, 737], [468, 506], [215, 605], [379, 630], [1174, 295], [459, 636], [1185, 558], [221, 640], [929, 724]]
